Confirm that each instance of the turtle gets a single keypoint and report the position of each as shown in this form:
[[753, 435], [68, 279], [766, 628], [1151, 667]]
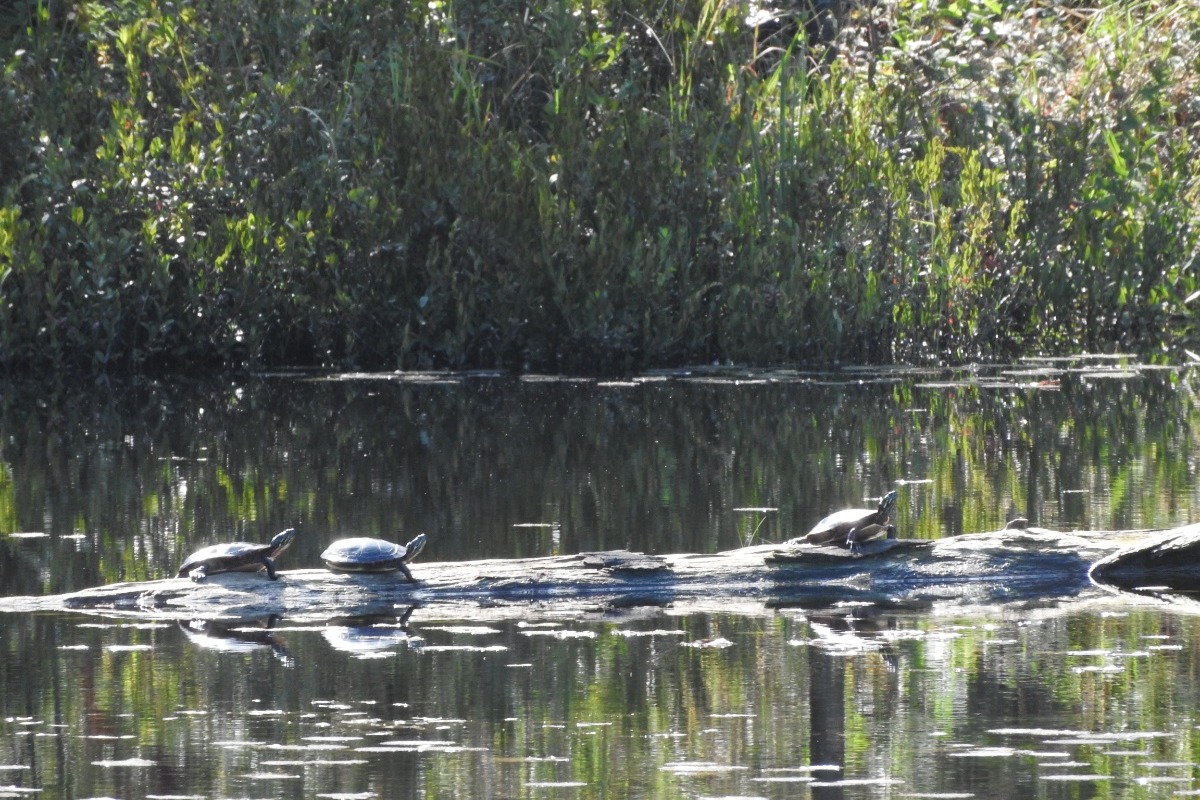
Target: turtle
[[850, 526], [364, 554], [236, 557]]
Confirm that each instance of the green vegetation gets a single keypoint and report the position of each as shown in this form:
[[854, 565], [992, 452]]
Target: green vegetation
[[591, 184]]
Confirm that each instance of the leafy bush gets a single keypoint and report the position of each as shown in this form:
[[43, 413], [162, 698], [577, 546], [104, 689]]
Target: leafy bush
[[591, 186]]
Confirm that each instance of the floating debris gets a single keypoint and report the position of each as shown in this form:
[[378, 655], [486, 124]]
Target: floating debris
[[700, 768], [1079, 777], [985, 752], [446, 648], [127, 648], [333, 705], [417, 746], [128, 762], [718, 643], [784, 779], [133, 625], [656, 632], [563, 634], [468, 630], [303, 747], [1042, 732], [1159, 779], [29, 535], [316, 762], [1101, 737]]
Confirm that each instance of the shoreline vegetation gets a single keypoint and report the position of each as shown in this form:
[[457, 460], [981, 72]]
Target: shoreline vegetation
[[593, 185]]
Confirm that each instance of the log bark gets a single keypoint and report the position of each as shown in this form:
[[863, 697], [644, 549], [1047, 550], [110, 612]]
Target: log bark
[[1010, 566]]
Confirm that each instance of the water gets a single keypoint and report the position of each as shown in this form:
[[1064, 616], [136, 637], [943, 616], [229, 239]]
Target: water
[[1090, 696]]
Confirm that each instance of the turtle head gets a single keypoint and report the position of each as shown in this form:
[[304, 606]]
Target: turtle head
[[415, 547], [887, 502], [281, 541]]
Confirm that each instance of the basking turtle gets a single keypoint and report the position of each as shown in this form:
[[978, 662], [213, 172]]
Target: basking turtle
[[236, 557], [850, 526], [363, 554]]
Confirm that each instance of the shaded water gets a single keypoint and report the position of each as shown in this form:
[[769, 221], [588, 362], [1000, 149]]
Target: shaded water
[[1028, 699]]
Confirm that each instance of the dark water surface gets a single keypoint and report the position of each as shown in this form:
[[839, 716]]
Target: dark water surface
[[1093, 697]]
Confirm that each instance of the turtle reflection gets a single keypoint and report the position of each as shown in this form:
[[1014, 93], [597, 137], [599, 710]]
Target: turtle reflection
[[371, 634], [237, 636]]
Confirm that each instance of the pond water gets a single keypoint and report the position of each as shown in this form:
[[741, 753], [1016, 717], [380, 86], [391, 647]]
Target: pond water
[[1091, 695]]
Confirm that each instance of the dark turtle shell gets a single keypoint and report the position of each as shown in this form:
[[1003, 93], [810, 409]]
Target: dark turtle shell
[[865, 522], [236, 557], [364, 554]]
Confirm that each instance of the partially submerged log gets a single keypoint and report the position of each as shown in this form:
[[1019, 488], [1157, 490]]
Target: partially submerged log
[[1169, 561], [1033, 565]]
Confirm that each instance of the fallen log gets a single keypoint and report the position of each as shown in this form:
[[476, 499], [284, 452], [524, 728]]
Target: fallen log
[[1032, 566], [1170, 561]]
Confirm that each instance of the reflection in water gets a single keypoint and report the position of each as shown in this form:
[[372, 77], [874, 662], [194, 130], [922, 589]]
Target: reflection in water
[[827, 739], [498, 467], [240, 636], [371, 634], [833, 699], [995, 706]]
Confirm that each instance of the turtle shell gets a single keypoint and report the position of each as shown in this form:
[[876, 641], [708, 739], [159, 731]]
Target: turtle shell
[[868, 522], [840, 523], [228, 557], [237, 556], [365, 554]]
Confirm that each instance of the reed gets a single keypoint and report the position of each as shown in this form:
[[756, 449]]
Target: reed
[[592, 185]]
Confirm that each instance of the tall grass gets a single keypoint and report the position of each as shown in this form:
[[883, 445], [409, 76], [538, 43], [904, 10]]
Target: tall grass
[[591, 184]]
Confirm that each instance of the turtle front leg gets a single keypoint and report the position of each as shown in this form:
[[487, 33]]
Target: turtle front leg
[[891, 531], [852, 541], [269, 563], [198, 574], [407, 573]]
